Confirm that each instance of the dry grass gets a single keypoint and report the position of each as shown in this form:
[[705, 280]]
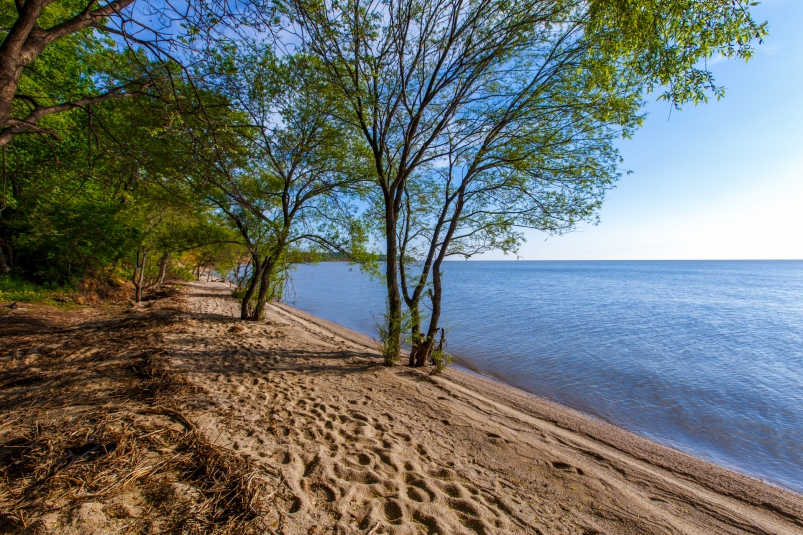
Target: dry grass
[[84, 458], [93, 414]]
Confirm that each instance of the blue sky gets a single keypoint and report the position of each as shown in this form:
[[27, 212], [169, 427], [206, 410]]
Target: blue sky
[[716, 181]]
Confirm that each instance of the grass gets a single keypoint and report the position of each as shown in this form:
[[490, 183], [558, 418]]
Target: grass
[[16, 290]]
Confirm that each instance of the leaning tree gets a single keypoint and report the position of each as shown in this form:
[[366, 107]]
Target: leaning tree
[[424, 79]]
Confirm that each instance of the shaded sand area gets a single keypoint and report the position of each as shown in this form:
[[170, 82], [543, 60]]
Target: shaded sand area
[[292, 426]]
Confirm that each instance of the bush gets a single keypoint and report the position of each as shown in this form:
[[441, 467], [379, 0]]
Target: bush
[[441, 360]]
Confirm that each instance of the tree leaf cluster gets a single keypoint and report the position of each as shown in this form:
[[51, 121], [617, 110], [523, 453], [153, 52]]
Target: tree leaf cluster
[[241, 138]]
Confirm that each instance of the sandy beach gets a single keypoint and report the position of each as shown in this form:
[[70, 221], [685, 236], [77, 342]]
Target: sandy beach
[[336, 443]]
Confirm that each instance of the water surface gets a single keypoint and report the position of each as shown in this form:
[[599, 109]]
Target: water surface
[[703, 356]]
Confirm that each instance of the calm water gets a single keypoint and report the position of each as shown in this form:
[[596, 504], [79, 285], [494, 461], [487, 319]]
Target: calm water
[[703, 356]]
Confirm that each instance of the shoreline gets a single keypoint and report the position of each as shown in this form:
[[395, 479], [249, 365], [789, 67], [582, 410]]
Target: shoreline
[[460, 368], [293, 426], [581, 422], [602, 421]]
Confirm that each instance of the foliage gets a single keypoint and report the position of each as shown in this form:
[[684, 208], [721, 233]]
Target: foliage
[[440, 360], [62, 222], [389, 344], [213, 140], [288, 174], [483, 119], [13, 289], [83, 207], [665, 43]]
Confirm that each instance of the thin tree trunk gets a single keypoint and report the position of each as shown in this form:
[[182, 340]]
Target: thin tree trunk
[[162, 269], [241, 278], [141, 285], [139, 274], [425, 348], [437, 285], [415, 330], [411, 302], [256, 276], [6, 260], [394, 319], [264, 286], [414, 301]]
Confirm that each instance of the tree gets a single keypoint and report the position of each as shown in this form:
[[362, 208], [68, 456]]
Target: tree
[[93, 205], [167, 224], [419, 75], [48, 48], [537, 152], [407, 70], [63, 29], [254, 139], [63, 204], [301, 169]]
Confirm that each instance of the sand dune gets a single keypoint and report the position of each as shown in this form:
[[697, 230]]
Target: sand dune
[[367, 449]]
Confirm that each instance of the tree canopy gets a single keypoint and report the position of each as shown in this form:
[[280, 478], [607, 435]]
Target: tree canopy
[[143, 141]]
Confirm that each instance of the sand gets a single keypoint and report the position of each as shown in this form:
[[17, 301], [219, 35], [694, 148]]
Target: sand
[[350, 446], [395, 450]]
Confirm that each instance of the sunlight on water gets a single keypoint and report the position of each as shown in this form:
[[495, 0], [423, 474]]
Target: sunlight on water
[[703, 356]]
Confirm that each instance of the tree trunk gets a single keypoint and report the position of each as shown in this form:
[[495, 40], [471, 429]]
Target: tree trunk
[[437, 285], [139, 274], [264, 286], [256, 275], [415, 331], [4, 267], [162, 269], [425, 347], [241, 278], [6, 258], [13, 55], [393, 324], [419, 344]]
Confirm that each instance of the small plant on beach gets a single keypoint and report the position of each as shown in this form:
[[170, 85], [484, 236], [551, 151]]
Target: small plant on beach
[[440, 360], [389, 344]]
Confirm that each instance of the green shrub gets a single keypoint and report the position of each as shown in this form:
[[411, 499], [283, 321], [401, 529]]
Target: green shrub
[[441, 360]]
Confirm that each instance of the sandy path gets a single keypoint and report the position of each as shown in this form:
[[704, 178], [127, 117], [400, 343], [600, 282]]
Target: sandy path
[[367, 449]]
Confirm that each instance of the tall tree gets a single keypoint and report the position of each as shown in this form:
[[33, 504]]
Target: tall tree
[[415, 74], [281, 170], [407, 70]]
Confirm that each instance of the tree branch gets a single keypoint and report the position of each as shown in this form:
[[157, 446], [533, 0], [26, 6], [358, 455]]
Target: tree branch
[[29, 123]]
